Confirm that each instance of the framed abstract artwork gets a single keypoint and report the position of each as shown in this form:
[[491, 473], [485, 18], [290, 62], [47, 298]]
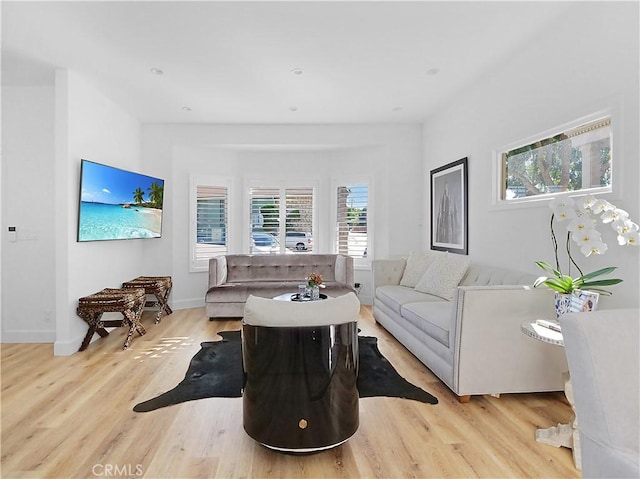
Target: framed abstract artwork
[[450, 208]]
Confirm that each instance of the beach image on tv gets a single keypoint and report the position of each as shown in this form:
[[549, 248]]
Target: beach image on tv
[[118, 204]]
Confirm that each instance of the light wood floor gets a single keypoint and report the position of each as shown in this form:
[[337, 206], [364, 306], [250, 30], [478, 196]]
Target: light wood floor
[[68, 417]]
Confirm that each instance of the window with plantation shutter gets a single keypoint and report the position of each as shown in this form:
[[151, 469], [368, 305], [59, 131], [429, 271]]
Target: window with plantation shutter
[[352, 236], [299, 219], [281, 220], [209, 224]]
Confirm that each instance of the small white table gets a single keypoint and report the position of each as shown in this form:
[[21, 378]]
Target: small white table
[[562, 435]]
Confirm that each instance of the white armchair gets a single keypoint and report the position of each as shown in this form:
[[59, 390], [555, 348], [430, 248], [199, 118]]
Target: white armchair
[[602, 352]]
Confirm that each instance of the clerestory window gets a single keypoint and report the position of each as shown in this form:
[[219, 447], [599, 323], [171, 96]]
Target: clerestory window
[[576, 159]]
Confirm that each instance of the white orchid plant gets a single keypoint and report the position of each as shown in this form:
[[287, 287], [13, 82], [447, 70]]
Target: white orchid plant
[[582, 218]]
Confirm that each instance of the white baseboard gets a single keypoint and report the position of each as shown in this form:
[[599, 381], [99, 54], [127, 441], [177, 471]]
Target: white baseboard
[[187, 303], [28, 336], [67, 348], [365, 299]]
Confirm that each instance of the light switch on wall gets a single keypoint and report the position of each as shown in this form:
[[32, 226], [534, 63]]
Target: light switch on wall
[[13, 234]]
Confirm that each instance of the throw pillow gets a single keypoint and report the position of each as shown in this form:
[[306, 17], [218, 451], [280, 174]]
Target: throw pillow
[[417, 264], [443, 276]]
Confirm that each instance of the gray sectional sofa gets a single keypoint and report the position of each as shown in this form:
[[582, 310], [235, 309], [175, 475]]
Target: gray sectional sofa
[[471, 340], [232, 278]]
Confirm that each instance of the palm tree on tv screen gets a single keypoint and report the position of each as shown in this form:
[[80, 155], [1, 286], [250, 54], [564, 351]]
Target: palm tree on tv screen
[[138, 196], [155, 194]]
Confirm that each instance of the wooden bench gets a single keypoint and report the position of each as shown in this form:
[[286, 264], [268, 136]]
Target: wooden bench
[[128, 301], [159, 286]]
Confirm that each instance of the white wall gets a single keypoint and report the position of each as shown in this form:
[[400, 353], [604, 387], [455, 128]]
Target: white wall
[[47, 130], [390, 155], [28, 275], [580, 65], [88, 126]]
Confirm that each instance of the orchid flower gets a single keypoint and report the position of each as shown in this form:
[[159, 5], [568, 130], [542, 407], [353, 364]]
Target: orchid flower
[[593, 246], [631, 238], [588, 201], [582, 216], [624, 226], [564, 209], [600, 206], [581, 223], [614, 215], [586, 236]]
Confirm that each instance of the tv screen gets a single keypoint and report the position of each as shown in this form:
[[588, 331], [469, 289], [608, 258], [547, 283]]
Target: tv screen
[[118, 204]]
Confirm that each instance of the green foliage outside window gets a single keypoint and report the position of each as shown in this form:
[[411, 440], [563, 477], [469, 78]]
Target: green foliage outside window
[[577, 159]]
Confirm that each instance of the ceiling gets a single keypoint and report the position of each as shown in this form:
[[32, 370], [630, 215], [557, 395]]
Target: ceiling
[[270, 62]]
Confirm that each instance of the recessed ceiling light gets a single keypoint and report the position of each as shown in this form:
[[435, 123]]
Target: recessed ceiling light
[[297, 71], [433, 71], [293, 108], [186, 108], [157, 71]]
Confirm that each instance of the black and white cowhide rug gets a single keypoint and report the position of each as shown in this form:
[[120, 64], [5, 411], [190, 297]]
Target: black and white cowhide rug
[[216, 371]]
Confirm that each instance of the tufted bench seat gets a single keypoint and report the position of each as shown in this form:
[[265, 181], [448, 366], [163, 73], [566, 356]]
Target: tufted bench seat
[[158, 286], [129, 302], [233, 278]]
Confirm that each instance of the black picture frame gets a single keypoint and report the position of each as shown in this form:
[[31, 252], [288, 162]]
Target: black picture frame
[[450, 208]]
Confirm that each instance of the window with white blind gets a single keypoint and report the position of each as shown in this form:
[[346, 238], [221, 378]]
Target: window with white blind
[[352, 232], [210, 226], [281, 220]]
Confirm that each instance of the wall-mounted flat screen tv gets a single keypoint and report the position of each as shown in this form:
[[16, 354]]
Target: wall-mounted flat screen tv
[[118, 204]]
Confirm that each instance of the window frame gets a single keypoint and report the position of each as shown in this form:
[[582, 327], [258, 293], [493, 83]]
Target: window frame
[[499, 173], [282, 187], [358, 263], [201, 265]]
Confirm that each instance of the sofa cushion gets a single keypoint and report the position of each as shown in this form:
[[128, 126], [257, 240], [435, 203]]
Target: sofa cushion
[[432, 318], [268, 312], [417, 264], [443, 275], [394, 296]]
